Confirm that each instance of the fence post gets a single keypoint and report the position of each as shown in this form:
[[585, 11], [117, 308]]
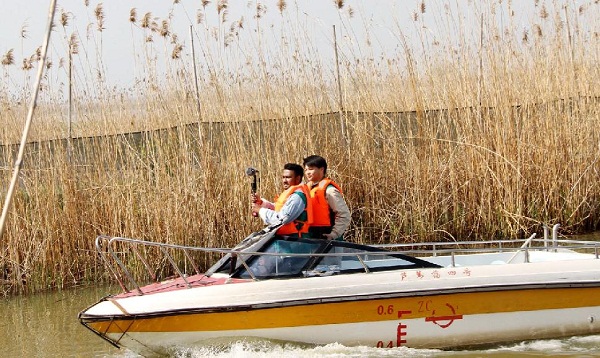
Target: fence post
[[339, 83], [196, 84]]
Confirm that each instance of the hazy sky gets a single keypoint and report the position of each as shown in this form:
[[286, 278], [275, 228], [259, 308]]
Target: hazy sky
[[117, 28], [373, 22]]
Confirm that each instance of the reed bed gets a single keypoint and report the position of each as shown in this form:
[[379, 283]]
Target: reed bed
[[440, 140]]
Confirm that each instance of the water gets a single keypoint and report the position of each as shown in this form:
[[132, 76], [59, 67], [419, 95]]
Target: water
[[46, 325]]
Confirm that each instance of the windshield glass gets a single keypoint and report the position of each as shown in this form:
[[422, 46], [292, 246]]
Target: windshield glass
[[281, 263], [282, 257]]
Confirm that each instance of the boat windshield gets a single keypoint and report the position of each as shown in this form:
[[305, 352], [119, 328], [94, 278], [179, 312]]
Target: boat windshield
[[277, 261], [295, 258]]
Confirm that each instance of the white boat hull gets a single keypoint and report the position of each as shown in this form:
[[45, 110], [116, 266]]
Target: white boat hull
[[465, 301], [418, 320]]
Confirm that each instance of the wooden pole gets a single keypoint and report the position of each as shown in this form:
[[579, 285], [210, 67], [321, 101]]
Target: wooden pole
[[197, 90], [195, 73], [571, 47], [32, 105], [480, 74], [339, 83], [70, 115]]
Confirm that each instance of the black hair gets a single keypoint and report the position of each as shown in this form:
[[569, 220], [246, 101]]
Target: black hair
[[315, 161], [296, 168]]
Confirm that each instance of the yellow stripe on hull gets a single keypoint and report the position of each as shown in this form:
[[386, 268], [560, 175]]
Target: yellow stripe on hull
[[415, 333], [440, 309]]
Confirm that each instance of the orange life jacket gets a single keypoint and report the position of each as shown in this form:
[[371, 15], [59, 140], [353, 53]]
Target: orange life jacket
[[320, 207], [296, 227]]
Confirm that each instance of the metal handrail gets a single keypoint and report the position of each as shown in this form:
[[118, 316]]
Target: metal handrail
[[524, 246], [110, 257]]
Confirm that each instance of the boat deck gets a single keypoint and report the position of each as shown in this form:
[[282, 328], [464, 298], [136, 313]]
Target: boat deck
[[178, 283]]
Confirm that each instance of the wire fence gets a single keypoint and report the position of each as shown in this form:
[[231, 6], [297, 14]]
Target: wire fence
[[216, 137]]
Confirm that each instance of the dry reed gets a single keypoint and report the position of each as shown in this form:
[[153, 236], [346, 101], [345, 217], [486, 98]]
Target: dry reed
[[435, 150]]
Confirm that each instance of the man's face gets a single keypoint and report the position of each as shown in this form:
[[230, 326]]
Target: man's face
[[314, 174], [289, 178]]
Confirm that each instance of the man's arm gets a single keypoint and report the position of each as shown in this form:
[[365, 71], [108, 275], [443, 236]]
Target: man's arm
[[262, 202], [293, 207], [267, 204], [338, 205]]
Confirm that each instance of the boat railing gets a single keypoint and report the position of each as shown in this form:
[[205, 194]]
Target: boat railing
[[128, 260], [113, 252], [441, 247], [455, 248]]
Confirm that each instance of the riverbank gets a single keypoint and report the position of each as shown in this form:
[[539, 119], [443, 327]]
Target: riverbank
[[442, 139]]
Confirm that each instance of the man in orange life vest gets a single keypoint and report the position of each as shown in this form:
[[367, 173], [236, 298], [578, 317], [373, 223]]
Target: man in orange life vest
[[331, 216], [291, 207]]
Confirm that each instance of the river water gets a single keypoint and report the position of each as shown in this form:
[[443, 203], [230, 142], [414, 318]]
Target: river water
[[46, 325]]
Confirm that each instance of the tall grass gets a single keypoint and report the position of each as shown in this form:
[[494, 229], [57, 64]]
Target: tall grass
[[461, 134]]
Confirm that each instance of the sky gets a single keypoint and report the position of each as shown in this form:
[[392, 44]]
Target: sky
[[118, 37], [364, 28]]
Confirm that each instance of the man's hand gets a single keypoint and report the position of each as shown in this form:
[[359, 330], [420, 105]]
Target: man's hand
[[255, 198], [255, 208]]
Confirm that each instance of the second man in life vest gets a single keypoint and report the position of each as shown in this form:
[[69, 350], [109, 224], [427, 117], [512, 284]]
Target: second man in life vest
[[331, 216], [292, 207]]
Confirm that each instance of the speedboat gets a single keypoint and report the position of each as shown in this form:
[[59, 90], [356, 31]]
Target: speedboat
[[421, 295]]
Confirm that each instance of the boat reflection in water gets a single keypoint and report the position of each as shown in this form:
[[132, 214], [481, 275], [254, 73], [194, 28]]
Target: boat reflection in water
[[426, 295]]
